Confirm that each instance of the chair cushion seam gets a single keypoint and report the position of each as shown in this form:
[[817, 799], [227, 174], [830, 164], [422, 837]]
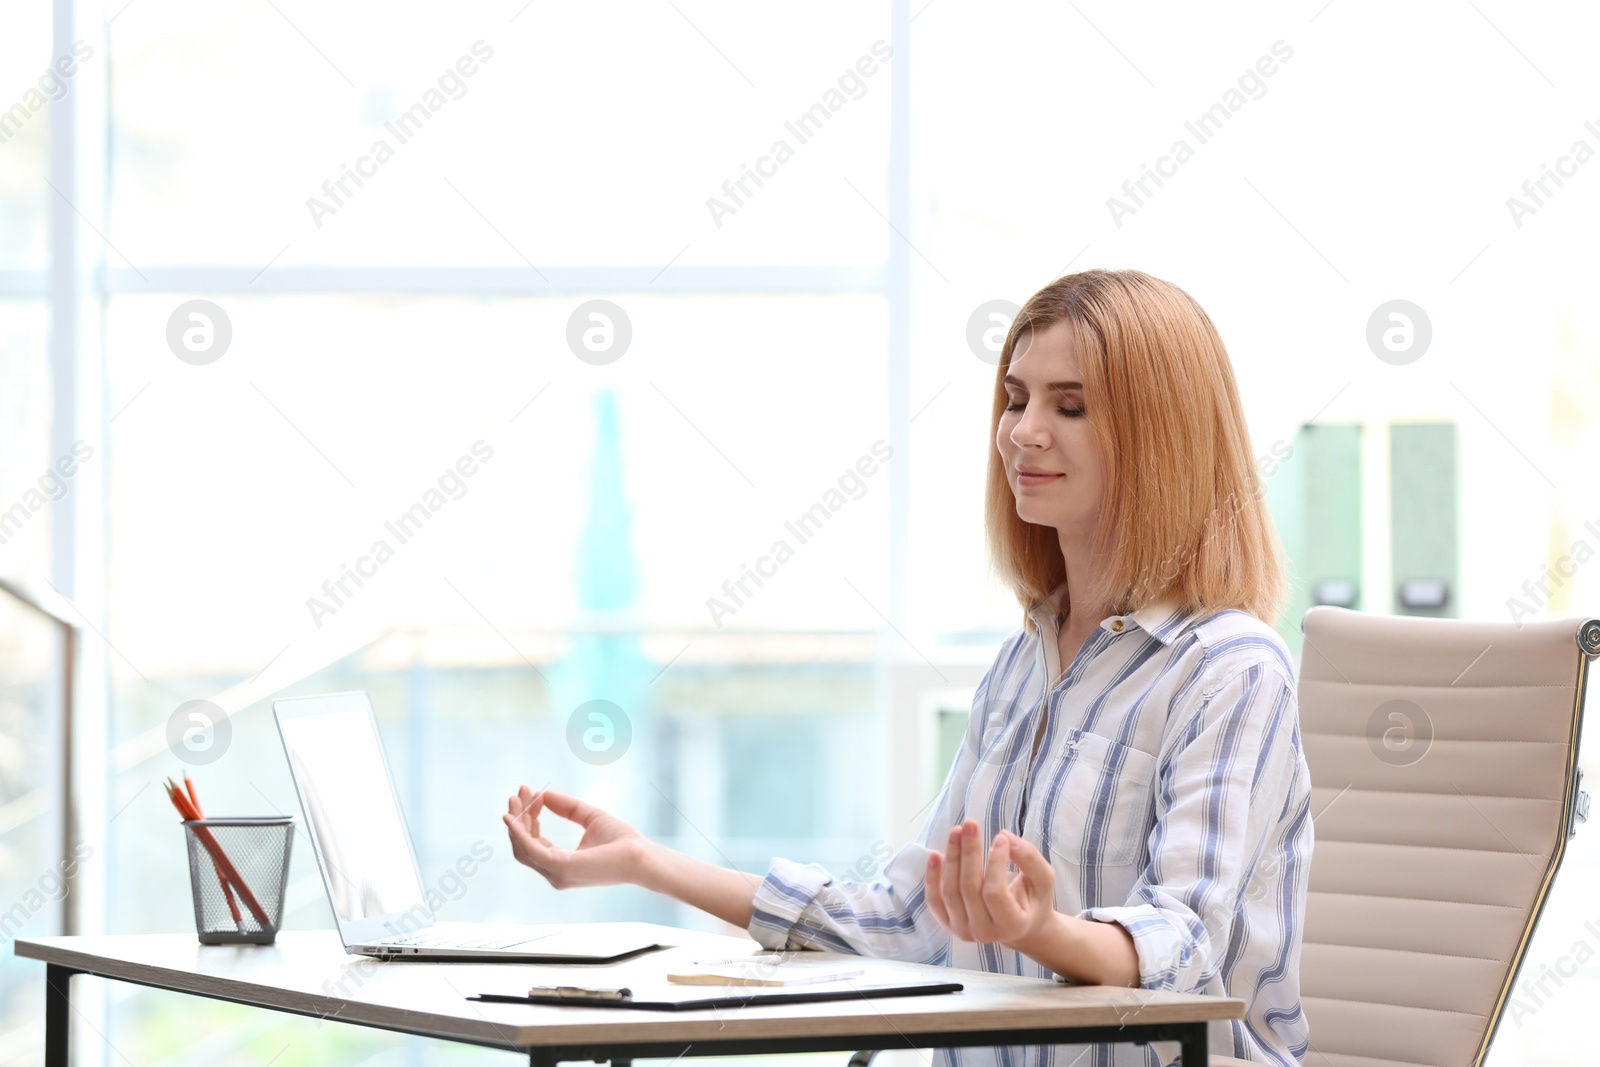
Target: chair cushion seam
[[1545, 856], [1442, 685], [1408, 951], [1415, 847], [1379, 1059], [1518, 908], [1464, 740], [1452, 793], [1409, 1007]]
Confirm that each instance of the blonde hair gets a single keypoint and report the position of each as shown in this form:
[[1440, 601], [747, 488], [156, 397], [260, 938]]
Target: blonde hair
[[1182, 515]]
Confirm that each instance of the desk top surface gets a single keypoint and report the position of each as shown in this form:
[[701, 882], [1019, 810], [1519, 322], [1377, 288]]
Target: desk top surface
[[307, 971]]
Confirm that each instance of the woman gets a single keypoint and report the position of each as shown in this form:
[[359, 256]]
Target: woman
[[1134, 752]]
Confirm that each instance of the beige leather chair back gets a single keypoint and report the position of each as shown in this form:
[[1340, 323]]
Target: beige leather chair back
[[1443, 766]]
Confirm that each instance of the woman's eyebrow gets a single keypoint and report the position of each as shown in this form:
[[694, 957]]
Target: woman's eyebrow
[[1054, 387]]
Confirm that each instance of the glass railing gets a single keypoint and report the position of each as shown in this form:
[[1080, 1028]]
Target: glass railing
[[37, 863]]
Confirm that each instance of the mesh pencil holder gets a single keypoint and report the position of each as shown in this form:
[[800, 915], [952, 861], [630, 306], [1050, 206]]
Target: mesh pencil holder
[[253, 851]]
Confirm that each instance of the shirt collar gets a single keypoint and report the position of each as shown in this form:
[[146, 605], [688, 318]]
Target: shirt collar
[[1163, 619]]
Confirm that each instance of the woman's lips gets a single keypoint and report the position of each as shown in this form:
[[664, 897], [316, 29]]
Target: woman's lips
[[1035, 477]]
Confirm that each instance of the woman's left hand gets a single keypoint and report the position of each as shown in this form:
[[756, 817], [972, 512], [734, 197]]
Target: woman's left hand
[[976, 897]]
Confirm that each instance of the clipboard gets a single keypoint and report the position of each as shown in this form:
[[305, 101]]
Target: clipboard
[[752, 997]]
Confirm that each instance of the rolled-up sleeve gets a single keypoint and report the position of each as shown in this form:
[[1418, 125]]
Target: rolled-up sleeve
[[803, 906], [1226, 847]]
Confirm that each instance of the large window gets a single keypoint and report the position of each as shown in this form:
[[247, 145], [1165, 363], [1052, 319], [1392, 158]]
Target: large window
[[655, 382]]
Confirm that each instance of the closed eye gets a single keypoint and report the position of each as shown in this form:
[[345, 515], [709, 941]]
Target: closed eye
[[1070, 413]]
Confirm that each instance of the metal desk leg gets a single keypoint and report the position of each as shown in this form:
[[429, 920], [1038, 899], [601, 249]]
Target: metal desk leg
[[1196, 1051], [57, 1014]]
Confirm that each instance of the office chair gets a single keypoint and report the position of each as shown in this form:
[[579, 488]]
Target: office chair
[[1445, 783]]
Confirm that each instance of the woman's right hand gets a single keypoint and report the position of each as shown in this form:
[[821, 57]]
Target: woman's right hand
[[610, 853]]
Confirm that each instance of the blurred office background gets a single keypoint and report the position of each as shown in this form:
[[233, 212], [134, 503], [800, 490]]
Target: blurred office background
[[750, 354]]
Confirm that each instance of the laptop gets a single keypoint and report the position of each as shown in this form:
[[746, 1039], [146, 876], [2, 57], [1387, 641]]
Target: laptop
[[370, 868]]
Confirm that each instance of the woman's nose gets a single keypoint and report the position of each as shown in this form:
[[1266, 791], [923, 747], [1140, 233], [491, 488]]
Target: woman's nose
[[1029, 431]]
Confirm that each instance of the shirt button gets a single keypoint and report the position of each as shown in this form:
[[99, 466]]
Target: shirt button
[[1116, 625]]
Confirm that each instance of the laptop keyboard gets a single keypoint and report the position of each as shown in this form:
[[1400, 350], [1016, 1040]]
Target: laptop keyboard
[[514, 940]]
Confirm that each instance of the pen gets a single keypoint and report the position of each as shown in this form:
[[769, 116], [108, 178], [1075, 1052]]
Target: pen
[[578, 992]]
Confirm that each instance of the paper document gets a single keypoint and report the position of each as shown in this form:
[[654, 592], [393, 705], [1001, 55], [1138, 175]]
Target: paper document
[[768, 969]]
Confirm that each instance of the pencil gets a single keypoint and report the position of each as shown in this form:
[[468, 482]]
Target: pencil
[[227, 890], [209, 842], [219, 858]]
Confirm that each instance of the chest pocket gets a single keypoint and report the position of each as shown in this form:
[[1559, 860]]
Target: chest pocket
[[1097, 801]]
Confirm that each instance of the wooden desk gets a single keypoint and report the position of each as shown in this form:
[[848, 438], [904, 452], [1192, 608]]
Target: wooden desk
[[308, 973]]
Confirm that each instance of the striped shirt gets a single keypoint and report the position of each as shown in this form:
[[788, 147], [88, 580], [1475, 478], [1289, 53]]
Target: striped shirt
[[1170, 795]]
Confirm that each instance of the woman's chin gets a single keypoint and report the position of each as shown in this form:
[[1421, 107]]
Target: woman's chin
[[1028, 512]]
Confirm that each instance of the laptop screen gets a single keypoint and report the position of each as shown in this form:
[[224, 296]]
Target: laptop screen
[[345, 791]]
